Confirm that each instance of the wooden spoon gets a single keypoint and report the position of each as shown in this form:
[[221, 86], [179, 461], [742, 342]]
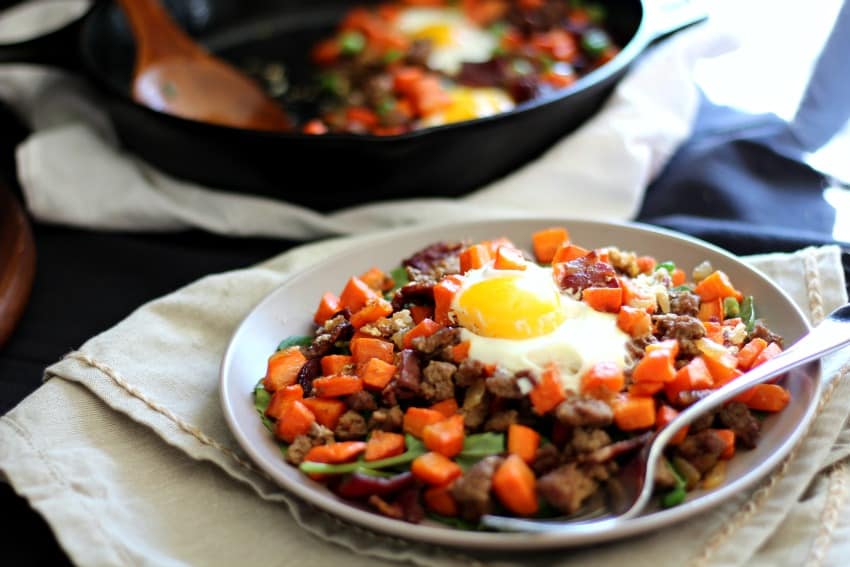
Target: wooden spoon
[[177, 76]]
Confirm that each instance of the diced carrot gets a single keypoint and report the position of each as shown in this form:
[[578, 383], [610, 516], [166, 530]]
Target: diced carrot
[[633, 412], [328, 305], [377, 279], [388, 130], [669, 345], [728, 437], [722, 364], [296, 420], [749, 352], [425, 328], [744, 396], [655, 366], [358, 334], [633, 296], [356, 294], [435, 469], [376, 373], [327, 411], [446, 436], [447, 407], [405, 79], [579, 17], [678, 277], [339, 452], [710, 310], [663, 417], [283, 368], [603, 378], [715, 286], [473, 257], [364, 348], [523, 441], [314, 127], [356, 19], [568, 251], [421, 312], [725, 374], [361, 115], [545, 242], [515, 486], [548, 392], [606, 299], [693, 376], [496, 243], [732, 322], [636, 322], [558, 80], [429, 96], [335, 364], [444, 293], [326, 52], [460, 352], [336, 386], [383, 444], [282, 398], [713, 331], [371, 312], [769, 397], [766, 354], [646, 264], [508, 258], [415, 420], [484, 12], [439, 500], [389, 12], [645, 388]]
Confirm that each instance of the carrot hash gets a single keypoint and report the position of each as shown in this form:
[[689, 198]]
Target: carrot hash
[[409, 397]]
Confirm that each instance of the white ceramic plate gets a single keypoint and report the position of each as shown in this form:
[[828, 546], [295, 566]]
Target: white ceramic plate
[[289, 309]]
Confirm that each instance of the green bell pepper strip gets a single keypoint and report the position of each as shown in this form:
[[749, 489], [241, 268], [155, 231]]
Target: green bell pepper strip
[[748, 313], [731, 308]]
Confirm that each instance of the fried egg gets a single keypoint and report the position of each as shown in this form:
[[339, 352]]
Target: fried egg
[[521, 321], [454, 38], [468, 103]]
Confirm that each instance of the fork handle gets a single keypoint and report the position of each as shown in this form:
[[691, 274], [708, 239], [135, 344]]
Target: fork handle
[[829, 336]]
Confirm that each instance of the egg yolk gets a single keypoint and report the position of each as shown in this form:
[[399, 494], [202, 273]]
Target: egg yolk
[[467, 103], [509, 307], [440, 34]]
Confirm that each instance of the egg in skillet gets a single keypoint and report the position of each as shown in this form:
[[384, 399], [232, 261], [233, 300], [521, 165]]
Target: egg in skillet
[[520, 320], [454, 38], [467, 103]]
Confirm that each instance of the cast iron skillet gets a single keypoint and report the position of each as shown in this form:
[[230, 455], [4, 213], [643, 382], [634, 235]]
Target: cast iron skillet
[[332, 171]]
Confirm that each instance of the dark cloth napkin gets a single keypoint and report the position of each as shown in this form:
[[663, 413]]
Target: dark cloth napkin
[[741, 181]]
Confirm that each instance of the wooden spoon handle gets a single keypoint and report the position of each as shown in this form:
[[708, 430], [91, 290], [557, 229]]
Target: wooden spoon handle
[[157, 35]]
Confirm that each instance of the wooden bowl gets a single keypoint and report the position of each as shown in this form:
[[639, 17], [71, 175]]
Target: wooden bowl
[[17, 263]]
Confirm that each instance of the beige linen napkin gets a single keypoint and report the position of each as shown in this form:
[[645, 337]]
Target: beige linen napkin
[[126, 454]]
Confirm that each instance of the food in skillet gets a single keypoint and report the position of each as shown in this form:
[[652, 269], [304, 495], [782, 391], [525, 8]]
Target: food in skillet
[[397, 67], [475, 379]]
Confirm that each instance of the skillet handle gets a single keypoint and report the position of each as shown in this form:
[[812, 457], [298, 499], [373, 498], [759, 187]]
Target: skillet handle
[[665, 17], [59, 47]]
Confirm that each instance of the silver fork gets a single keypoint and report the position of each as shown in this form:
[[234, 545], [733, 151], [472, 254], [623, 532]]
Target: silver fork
[[637, 479]]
